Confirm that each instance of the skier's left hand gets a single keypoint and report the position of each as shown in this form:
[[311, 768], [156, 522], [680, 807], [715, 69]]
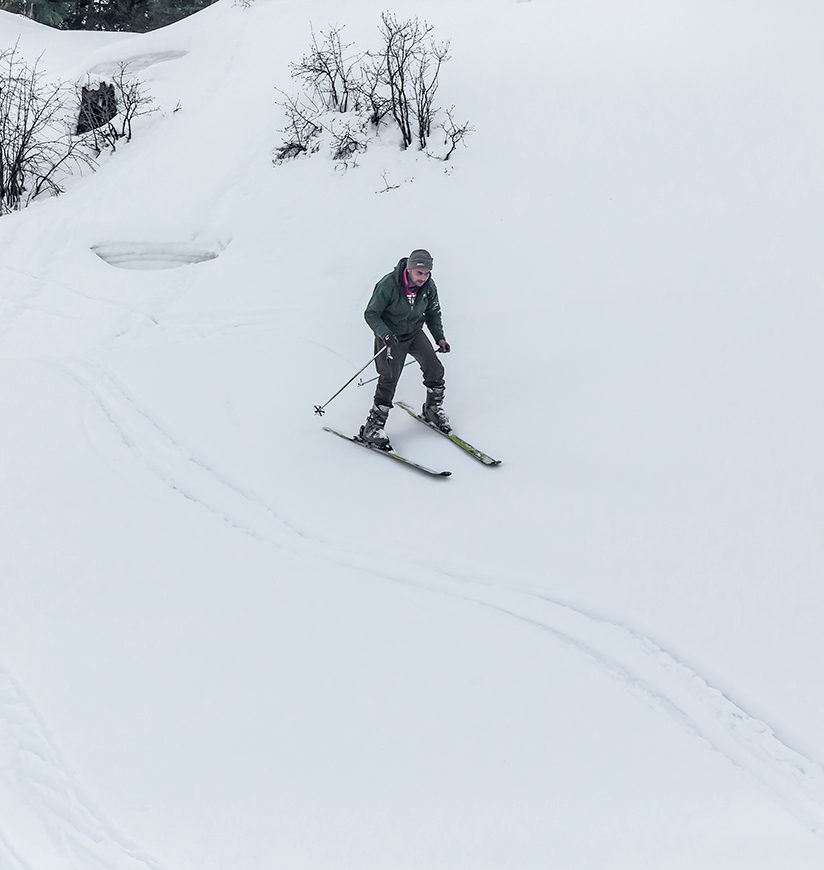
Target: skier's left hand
[[443, 344]]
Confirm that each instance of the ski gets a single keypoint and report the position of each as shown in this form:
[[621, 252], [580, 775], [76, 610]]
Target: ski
[[390, 453], [459, 442]]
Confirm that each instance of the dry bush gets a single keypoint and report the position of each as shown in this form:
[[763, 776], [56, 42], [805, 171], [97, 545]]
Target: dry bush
[[131, 100], [37, 148], [398, 83]]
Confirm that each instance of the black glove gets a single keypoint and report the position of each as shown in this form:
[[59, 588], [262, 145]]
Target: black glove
[[443, 344], [390, 341]]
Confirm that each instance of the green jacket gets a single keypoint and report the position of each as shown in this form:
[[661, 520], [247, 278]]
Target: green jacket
[[389, 311]]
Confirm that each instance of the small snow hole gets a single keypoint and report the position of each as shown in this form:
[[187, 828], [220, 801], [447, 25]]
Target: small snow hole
[[147, 256]]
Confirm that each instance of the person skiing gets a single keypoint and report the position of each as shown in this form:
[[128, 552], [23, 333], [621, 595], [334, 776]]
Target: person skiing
[[402, 302]]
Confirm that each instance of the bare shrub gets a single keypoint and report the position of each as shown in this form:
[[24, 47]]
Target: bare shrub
[[329, 71], [131, 101], [400, 42], [36, 144], [133, 98], [412, 62], [371, 88], [398, 82], [454, 133], [347, 140], [425, 76], [302, 127]]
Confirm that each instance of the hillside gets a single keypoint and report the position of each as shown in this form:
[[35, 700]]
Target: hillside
[[228, 640]]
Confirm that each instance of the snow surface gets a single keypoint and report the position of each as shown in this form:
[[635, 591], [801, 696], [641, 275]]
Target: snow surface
[[228, 640]]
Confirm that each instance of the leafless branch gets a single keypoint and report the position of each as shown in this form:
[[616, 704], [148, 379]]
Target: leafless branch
[[403, 43], [329, 71], [454, 133], [386, 185], [371, 88], [399, 82], [36, 145], [107, 112], [301, 128], [425, 76], [347, 140]]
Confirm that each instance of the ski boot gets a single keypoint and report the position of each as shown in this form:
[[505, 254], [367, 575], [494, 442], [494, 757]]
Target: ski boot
[[433, 411], [372, 432]]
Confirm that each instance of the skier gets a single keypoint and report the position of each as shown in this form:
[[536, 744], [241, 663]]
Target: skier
[[402, 302]]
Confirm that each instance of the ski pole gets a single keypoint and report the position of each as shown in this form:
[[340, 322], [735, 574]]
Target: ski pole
[[319, 409], [363, 383]]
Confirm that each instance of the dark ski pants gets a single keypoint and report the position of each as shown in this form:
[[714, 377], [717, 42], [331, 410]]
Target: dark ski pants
[[389, 370]]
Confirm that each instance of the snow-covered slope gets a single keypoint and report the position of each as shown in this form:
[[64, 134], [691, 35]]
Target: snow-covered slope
[[229, 640]]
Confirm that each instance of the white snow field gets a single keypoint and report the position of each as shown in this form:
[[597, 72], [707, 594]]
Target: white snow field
[[229, 641]]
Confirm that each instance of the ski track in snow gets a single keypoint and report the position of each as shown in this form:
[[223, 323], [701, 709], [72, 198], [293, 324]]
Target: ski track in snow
[[46, 799], [13, 307], [656, 676], [31, 766], [648, 670], [177, 466], [177, 327], [17, 306]]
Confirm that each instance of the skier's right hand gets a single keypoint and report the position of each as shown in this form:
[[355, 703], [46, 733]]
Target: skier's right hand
[[390, 339]]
